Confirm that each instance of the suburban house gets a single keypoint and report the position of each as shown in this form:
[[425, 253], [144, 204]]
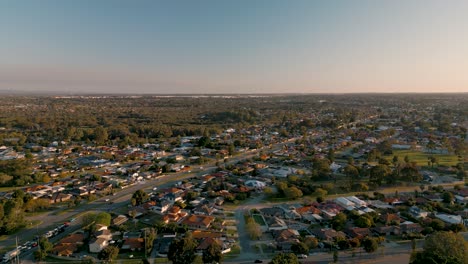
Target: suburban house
[[119, 220], [328, 234], [98, 244], [286, 238], [68, 245], [174, 215], [161, 206], [59, 197], [198, 221], [133, 243]]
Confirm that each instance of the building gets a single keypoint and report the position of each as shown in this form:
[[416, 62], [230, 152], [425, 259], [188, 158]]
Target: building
[[98, 244]]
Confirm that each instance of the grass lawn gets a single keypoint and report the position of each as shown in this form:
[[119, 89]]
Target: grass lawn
[[51, 259], [235, 251], [421, 158], [7, 189], [231, 232], [161, 260], [276, 199], [259, 219]]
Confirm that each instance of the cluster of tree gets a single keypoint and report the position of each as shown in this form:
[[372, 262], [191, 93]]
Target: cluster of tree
[[284, 258], [109, 253], [90, 220], [12, 213], [442, 247], [43, 248], [139, 197], [183, 251], [17, 172]]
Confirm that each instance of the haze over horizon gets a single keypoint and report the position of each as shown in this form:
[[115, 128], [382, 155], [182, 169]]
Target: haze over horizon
[[234, 47]]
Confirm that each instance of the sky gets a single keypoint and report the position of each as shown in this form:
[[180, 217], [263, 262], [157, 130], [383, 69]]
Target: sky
[[234, 46]]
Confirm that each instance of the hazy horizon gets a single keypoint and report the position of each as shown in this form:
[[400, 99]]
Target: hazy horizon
[[233, 47]]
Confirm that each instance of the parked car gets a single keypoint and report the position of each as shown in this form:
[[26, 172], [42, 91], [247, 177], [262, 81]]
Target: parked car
[[258, 261]]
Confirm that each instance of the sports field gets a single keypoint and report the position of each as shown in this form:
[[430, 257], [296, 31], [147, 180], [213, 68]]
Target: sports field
[[422, 158]]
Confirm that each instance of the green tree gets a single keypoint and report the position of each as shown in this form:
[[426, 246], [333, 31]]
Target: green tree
[[100, 135], [437, 224], [88, 260], [253, 228], [44, 247], [103, 219], [442, 247], [109, 253], [364, 221], [338, 221], [140, 197], [284, 258], [448, 197], [182, 250], [411, 173], [352, 174], [292, 193], [87, 220], [213, 253], [379, 173], [300, 248], [150, 236], [370, 244]]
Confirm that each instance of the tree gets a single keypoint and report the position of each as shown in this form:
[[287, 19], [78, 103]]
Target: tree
[[292, 193], [100, 135], [319, 192], [284, 258], [109, 253], [88, 260], [379, 173], [331, 155], [44, 247], [338, 221], [448, 197], [140, 197], [311, 242], [103, 219], [300, 248], [150, 235], [442, 247], [370, 244], [364, 221], [87, 220], [352, 174], [437, 225], [411, 173], [431, 146], [213, 253], [182, 250], [253, 229]]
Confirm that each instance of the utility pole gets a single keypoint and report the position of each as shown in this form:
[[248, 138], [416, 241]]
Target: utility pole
[[145, 243], [17, 253]]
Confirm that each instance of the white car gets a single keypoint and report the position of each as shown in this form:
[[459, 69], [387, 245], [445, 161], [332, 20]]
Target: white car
[[302, 256]]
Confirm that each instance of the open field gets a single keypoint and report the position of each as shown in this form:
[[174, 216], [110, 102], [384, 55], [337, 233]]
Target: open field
[[421, 158]]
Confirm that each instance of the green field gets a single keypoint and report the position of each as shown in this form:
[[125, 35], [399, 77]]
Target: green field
[[421, 158], [259, 219]]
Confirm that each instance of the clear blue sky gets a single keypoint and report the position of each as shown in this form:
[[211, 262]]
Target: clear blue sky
[[235, 46]]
